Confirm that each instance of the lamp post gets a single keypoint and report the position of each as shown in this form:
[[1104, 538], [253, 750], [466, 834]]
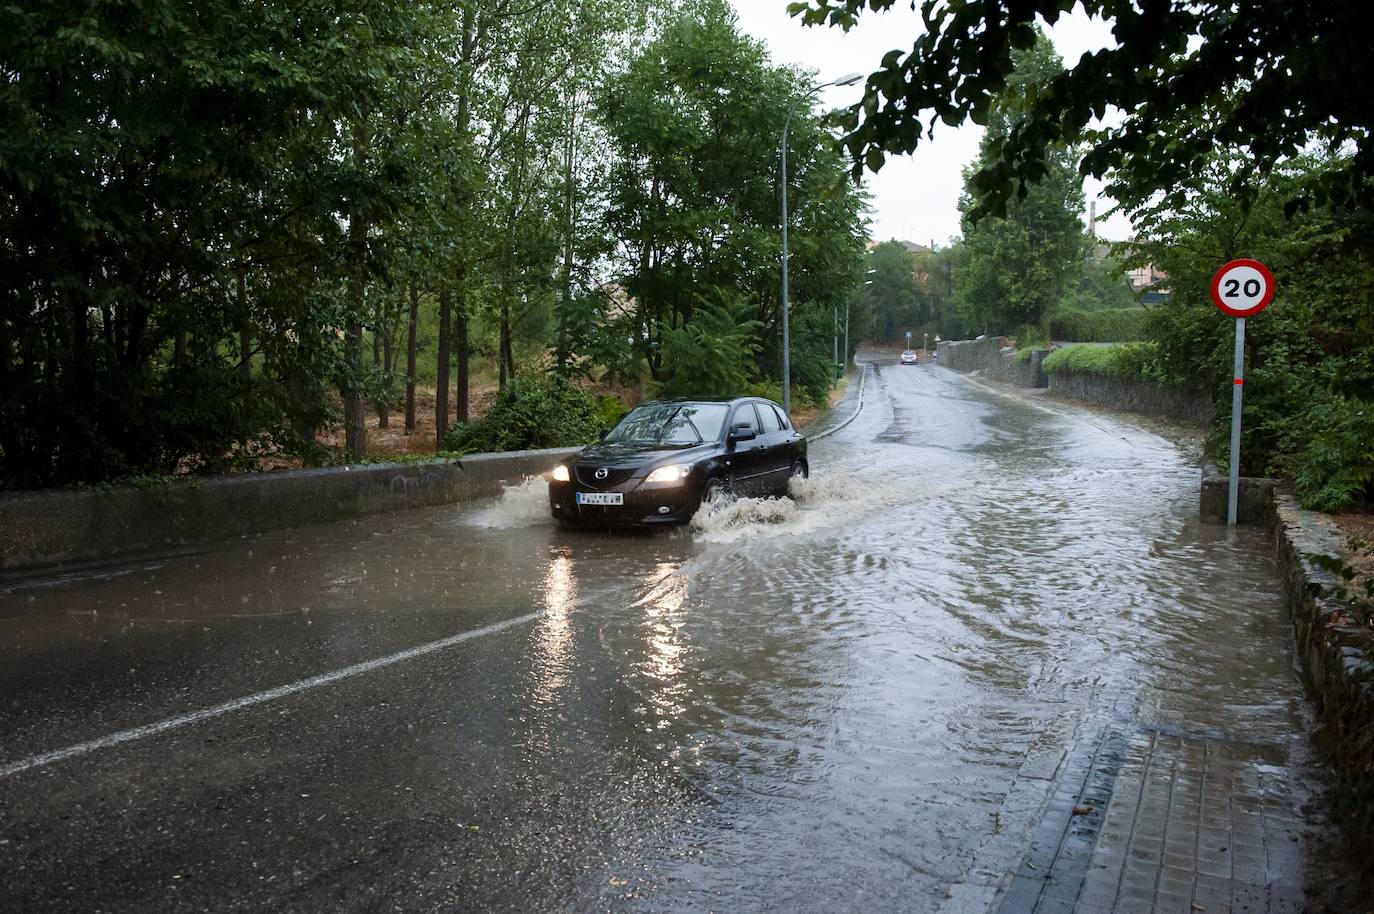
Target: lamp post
[[835, 343], [849, 80], [846, 335]]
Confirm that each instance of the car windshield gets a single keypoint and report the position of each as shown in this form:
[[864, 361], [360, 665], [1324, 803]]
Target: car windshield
[[670, 423]]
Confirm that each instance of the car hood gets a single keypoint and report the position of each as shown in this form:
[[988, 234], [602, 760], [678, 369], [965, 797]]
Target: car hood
[[626, 456]]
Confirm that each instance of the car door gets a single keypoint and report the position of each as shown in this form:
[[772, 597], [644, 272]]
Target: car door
[[777, 453], [747, 458]]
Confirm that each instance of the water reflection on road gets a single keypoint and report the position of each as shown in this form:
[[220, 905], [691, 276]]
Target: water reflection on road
[[812, 704]]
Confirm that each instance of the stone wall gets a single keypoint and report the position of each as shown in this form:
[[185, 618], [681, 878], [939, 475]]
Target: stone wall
[[993, 359], [53, 528], [1136, 395], [1254, 504], [1337, 655]]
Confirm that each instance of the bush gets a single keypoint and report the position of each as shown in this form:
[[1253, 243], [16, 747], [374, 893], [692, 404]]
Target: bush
[[609, 409], [769, 390], [1031, 337], [1329, 451], [531, 413], [1127, 360], [711, 354], [1112, 325]]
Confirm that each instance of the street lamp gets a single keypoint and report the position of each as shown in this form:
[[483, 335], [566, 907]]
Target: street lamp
[[849, 80]]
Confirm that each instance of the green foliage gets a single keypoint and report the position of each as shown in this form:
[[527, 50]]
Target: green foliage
[[211, 212], [609, 410], [711, 355], [1013, 269], [538, 412], [769, 390], [1191, 77], [695, 121], [148, 162], [1309, 386], [1111, 325], [1328, 450], [1124, 361], [1101, 285], [1031, 336]]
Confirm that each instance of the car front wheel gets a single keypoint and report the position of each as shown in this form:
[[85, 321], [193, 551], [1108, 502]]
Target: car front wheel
[[714, 491]]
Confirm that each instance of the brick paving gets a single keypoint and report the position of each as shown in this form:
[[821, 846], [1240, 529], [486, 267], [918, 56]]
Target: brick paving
[[1191, 824]]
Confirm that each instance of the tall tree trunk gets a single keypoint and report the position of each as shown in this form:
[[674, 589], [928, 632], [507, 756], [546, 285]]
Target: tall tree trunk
[[355, 422], [506, 356], [410, 357], [441, 382], [245, 339], [460, 335], [384, 405]]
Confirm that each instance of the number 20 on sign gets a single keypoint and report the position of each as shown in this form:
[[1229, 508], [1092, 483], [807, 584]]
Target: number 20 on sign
[[1241, 289]]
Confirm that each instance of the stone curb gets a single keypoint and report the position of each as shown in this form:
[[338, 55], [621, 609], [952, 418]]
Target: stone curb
[[858, 408]]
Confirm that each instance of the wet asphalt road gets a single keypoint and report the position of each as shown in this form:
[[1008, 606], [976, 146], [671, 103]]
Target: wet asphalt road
[[816, 704]]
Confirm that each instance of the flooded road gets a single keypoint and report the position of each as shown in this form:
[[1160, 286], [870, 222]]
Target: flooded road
[[868, 697]]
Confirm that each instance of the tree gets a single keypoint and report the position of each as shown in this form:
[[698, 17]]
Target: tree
[[1262, 77], [1013, 270], [894, 298], [695, 120], [153, 168]]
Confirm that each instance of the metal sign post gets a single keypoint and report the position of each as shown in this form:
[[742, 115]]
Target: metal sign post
[[1240, 289], [1237, 386]]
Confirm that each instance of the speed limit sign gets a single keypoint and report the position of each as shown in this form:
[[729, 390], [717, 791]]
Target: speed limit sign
[[1243, 288]]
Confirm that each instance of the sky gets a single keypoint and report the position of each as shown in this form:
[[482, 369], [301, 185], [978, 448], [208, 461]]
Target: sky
[[914, 197]]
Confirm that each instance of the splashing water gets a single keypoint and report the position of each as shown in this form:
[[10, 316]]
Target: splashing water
[[522, 505], [723, 519]]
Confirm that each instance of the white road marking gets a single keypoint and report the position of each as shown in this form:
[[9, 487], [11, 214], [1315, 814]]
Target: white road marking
[[195, 717]]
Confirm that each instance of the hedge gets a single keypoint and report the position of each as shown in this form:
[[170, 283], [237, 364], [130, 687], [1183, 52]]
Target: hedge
[[1110, 325]]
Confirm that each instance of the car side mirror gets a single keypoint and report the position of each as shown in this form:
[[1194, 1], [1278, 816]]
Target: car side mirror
[[604, 433], [744, 432]]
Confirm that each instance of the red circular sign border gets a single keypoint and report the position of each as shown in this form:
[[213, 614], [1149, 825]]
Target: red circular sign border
[[1268, 292]]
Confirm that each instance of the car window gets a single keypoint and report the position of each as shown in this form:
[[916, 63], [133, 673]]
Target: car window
[[781, 418], [709, 419], [771, 422], [670, 423], [745, 416]]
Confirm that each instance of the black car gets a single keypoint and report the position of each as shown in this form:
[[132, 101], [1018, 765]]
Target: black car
[[666, 457]]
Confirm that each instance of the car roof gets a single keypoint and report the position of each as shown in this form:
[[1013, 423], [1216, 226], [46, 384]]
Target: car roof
[[721, 400]]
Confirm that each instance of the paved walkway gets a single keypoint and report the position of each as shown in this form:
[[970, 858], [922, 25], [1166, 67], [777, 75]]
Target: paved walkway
[[1153, 822]]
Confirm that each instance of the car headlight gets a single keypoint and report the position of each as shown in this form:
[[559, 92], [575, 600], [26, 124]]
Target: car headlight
[[675, 473], [560, 473]]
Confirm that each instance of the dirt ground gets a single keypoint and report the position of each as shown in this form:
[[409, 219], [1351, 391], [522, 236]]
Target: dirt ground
[[394, 440]]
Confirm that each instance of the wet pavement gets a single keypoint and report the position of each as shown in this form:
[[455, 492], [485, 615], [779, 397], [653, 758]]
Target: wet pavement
[[987, 659]]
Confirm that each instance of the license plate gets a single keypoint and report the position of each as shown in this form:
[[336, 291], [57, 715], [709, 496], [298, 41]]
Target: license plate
[[601, 498]]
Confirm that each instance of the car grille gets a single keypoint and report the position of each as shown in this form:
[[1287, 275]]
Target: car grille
[[586, 475]]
